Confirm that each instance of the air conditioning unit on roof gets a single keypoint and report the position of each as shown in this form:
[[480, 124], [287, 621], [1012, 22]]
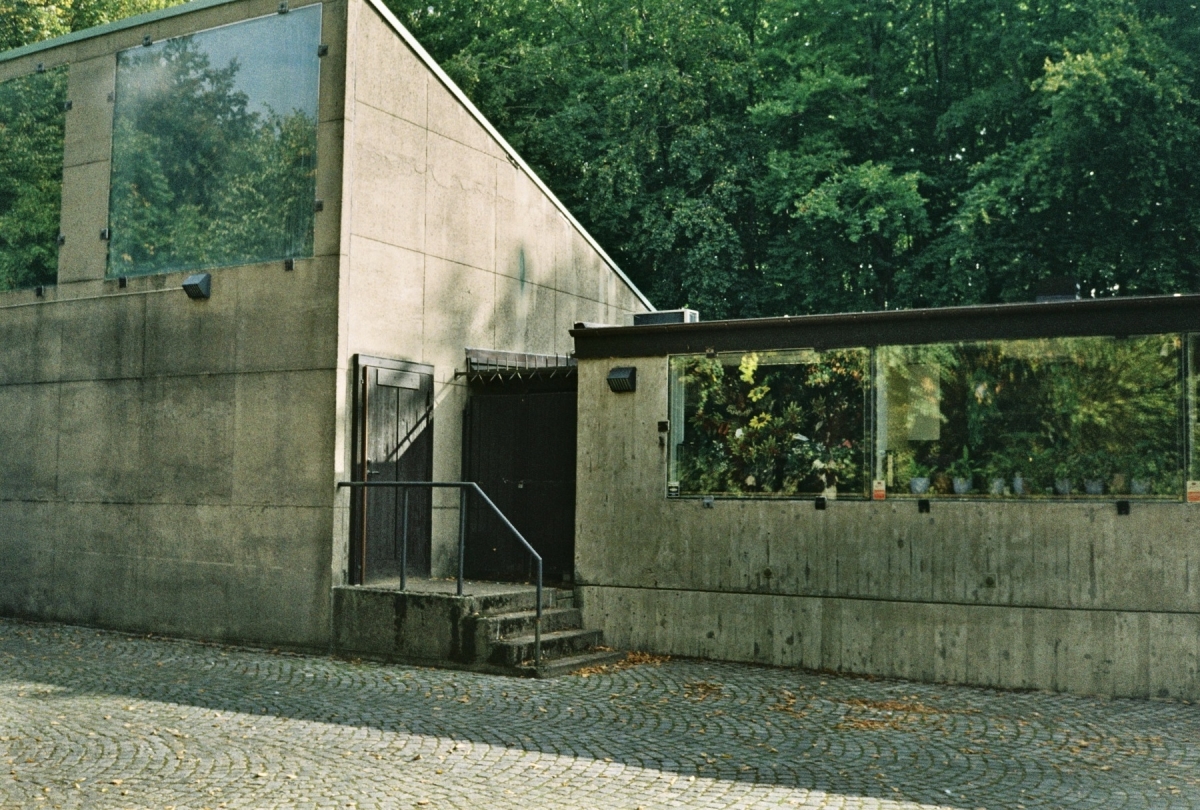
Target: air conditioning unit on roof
[[666, 316]]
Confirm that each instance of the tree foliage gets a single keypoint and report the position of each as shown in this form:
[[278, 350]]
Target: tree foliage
[[790, 156], [31, 155]]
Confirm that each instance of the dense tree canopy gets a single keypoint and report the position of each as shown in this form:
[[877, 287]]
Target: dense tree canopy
[[789, 156]]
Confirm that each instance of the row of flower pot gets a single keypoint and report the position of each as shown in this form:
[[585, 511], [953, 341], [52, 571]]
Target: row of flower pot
[[1020, 486]]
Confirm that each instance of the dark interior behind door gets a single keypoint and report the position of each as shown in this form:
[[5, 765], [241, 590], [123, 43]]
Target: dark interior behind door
[[394, 442], [519, 446]]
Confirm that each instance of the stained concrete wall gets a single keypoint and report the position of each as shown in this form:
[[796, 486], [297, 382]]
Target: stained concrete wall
[[1065, 596], [449, 241], [166, 464]]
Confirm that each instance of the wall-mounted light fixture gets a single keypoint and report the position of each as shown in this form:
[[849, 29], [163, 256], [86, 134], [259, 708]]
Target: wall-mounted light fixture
[[1122, 507], [819, 503], [198, 286], [923, 506], [622, 380]]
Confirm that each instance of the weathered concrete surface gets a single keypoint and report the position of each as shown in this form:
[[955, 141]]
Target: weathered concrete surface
[[1065, 596], [446, 244], [97, 720], [390, 625], [166, 464], [169, 465]]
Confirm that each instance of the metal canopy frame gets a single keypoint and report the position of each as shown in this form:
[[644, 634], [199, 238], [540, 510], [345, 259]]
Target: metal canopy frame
[[1088, 317]]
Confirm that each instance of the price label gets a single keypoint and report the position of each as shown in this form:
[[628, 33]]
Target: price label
[[879, 490], [1193, 491]]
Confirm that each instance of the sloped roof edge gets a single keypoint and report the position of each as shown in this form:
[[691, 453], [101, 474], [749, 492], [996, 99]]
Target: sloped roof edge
[[409, 39], [457, 92]]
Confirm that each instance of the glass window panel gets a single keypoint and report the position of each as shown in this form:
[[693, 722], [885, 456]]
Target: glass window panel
[[214, 147], [1062, 417], [32, 124], [770, 423], [1193, 388]]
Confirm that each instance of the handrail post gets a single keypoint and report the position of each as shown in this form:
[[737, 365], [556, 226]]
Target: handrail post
[[404, 546], [537, 627], [462, 534]]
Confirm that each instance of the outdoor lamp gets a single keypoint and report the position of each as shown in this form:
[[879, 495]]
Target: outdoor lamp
[[198, 286], [622, 380]]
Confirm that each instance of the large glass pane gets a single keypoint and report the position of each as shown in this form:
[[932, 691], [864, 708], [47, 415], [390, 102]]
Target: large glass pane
[[32, 123], [1193, 388], [1065, 417], [214, 147], [770, 423]]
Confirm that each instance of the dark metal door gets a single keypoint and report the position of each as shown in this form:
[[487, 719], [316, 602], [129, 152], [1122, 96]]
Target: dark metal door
[[394, 443], [520, 448]]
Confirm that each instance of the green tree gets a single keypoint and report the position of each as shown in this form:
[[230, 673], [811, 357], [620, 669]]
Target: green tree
[[31, 155], [790, 156]]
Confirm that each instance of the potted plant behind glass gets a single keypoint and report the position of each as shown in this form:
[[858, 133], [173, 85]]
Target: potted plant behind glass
[[962, 473], [1066, 472], [1098, 468], [1144, 470], [995, 473], [919, 476]]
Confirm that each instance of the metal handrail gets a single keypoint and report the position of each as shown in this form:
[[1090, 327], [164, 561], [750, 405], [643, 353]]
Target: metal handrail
[[464, 487]]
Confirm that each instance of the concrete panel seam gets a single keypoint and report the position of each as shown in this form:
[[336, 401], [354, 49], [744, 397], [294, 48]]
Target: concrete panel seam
[[989, 605]]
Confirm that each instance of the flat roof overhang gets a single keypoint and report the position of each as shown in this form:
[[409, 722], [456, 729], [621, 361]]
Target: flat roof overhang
[[1085, 317]]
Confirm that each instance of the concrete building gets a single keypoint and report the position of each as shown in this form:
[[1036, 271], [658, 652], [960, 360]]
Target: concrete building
[[1012, 506], [169, 464]]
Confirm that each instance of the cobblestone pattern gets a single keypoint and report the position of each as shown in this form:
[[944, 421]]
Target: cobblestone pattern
[[101, 720]]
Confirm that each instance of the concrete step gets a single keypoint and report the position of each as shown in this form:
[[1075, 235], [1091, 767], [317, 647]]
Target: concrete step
[[555, 667], [522, 623], [515, 652], [522, 600]]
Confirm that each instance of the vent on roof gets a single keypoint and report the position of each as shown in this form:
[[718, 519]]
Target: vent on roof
[[666, 316], [1056, 288]]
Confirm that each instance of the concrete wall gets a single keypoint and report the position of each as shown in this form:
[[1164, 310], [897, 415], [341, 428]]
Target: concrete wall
[[448, 242], [1065, 596], [166, 464]]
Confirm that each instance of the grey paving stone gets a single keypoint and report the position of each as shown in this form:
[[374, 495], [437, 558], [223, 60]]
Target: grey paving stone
[[91, 719]]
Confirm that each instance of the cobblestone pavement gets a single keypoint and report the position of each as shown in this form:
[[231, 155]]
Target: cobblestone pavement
[[102, 720]]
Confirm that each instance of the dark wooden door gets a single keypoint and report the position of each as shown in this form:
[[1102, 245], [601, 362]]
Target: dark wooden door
[[395, 443], [520, 449]]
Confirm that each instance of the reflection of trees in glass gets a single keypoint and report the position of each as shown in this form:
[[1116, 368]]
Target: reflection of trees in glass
[[1077, 412], [31, 162], [198, 179], [773, 424]]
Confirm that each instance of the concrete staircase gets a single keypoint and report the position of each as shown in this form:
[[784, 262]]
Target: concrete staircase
[[505, 637], [491, 628]]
